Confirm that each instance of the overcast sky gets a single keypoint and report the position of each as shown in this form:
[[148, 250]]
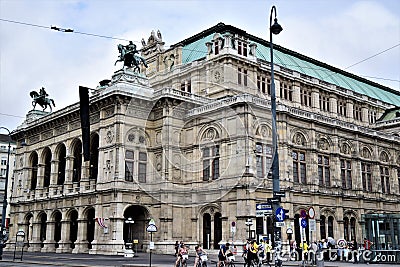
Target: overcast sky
[[337, 32]]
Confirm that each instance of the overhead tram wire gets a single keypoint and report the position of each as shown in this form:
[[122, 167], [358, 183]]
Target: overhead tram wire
[[194, 50]]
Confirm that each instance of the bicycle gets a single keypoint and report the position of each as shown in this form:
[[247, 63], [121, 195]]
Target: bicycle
[[202, 261], [183, 261], [230, 262]]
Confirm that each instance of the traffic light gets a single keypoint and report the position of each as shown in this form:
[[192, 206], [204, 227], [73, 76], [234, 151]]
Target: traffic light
[[286, 213]]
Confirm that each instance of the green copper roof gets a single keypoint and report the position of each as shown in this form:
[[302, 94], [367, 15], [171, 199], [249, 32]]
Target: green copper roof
[[194, 48]]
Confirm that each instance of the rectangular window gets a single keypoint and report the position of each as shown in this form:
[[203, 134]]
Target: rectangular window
[[189, 87], [299, 167], [3, 162], [357, 112], [286, 91], [324, 102], [242, 48], [385, 179], [366, 175], [324, 170], [245, 77], [345, 174], [216, 47], [183, 86], [341, 107], [210, 163], [372, 116], [305, 97], [142, 166], [129, 156], [239, 75], [263, 159]]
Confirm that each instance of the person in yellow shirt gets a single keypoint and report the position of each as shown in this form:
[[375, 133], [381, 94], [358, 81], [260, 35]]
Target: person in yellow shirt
[[304, 252], [252, 253]]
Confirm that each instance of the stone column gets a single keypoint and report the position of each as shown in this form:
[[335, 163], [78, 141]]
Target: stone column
[[35, 243], [296, 93], [49, 243], [349, 107], [69, 163], [53, 177], [64, 245], [81, 244], [84, 183]]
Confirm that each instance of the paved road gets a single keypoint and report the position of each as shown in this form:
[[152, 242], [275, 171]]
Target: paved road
[[142, 259]]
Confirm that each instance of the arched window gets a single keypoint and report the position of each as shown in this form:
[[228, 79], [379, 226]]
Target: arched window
[[47, 167], [61, 164], [217, 229], [353, 228], [206, 230], [322, 229], [94, 157], [34, 168], [77, 165], [330, 226], [346, 228], [43, 228]]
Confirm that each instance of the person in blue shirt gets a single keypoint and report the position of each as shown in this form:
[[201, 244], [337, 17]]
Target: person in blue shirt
[[222, 254]]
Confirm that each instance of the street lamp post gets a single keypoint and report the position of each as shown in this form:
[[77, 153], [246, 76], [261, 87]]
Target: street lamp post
[[3, 232], [275, 29], [249, 223]]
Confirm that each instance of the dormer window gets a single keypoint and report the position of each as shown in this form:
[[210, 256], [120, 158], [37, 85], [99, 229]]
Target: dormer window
[[242, 48], [216, 47]]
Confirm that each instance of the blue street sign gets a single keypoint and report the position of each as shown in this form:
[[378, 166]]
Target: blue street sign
[[303, 223], [280, 214]]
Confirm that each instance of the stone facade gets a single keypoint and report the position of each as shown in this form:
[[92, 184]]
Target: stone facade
[[189, 144]]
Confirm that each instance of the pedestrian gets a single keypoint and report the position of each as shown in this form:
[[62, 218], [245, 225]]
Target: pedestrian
[[355, 251], [176, 248], [313, 253]]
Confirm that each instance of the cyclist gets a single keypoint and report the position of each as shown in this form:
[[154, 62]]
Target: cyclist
[[222, 254], [182, 251], [199, 252]]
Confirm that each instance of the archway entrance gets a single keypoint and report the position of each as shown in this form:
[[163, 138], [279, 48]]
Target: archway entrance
[[73, 228], [136, 218], [90, 227], [206, 230], [57, 227]]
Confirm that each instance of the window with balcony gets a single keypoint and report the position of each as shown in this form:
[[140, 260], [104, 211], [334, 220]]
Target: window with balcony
[[324, 102], [264, 85], [286, 90], [357, 112], [372, 116], [305, 96], [341, 107]]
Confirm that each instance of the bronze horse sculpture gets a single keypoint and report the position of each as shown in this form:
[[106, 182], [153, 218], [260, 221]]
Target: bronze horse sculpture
[[127, 55], [41, 99]]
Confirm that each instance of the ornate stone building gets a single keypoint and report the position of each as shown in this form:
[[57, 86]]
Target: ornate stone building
[[188, 143]]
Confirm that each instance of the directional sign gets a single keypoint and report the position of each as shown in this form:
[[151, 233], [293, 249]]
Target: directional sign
[[151, 228], [280, 214], [273, 200], [262, 213], [303, 223], [279, 194], [263, 206]]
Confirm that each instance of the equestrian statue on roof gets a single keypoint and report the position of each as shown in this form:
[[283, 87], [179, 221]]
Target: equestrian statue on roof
[[42, 99], [127, 55]]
